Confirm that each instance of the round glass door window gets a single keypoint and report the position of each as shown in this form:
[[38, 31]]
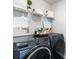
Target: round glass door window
[[40, 53]]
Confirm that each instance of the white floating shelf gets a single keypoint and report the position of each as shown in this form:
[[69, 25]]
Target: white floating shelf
[[25, 11], [34, 13], [19, 9], [50, 18]]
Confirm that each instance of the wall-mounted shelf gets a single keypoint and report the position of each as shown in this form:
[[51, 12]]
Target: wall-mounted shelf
[[25, 11], [19, 9], [34, 13], [50, 18]]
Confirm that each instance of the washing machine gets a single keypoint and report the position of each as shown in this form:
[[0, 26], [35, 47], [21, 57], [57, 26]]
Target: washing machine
[[37, 48], [57, 46]]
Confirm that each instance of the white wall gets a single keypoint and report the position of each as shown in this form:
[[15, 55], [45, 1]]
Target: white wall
[[59, 9], [41, 4]]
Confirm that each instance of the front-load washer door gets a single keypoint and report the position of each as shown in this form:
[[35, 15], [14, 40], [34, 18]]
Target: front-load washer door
[[39, 52]]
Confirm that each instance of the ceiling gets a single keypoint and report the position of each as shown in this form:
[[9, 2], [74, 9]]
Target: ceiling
[[50, 1]]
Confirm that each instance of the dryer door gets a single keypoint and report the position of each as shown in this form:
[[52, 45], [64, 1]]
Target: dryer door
[[39, 52]]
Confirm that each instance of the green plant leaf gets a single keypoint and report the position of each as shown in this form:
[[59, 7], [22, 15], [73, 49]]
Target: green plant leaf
[[29, 2], [29, 7]]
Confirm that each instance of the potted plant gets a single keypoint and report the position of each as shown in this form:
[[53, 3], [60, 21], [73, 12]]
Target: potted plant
[[29, 8], [29, 3]]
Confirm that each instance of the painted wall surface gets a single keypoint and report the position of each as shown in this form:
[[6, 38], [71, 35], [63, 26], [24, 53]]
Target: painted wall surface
[[41, 4], [59, 24]]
